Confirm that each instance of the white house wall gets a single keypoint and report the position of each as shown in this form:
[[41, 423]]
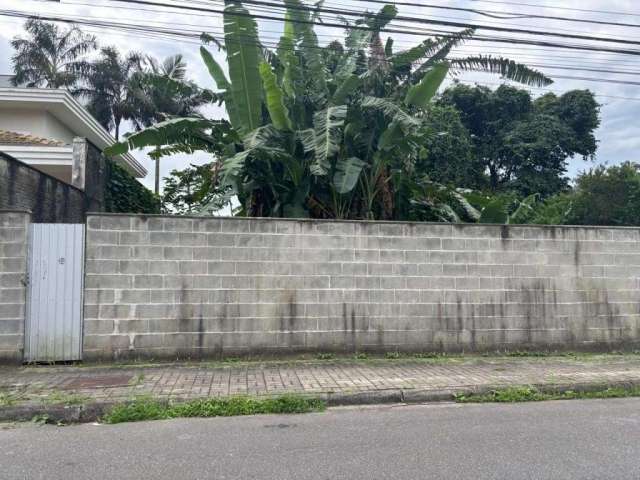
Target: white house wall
[[35, 122]]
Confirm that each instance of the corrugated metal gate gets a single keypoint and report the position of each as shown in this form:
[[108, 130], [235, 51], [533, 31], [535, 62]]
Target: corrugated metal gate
[[54, 299]]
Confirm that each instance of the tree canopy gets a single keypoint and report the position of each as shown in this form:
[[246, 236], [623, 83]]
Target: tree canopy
[[522, 144], [50, 57]]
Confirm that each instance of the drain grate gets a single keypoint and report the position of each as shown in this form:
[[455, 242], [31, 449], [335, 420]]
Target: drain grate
[[98, 381]]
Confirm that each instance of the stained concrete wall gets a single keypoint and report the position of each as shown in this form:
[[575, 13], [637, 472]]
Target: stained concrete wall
[[185, 287], [49, 199], [13, 271]]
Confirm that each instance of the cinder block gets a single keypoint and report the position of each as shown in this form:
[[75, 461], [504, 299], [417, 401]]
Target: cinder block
[[170, 267], [176, 224], [148, 281], [192, 268], [102, 237], [178, 253], [134, 267], [115, 222], [108, 281], [164, 238], [133, 238], [235, 225]]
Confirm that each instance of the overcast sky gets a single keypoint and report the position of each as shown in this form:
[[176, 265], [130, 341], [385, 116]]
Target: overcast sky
[[619, 134]]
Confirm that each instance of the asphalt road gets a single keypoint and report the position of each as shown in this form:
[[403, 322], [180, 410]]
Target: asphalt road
[[593, 439]]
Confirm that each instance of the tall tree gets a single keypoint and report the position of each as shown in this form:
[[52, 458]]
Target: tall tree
[[521, 144], [607, 196], [112, 83], [50, 57]]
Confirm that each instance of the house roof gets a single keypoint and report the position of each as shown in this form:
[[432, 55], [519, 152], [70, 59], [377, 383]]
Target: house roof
[[24, 139], [68, 110]]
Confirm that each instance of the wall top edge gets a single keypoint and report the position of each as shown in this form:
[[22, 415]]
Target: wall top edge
[[372, 222], [15, 210]]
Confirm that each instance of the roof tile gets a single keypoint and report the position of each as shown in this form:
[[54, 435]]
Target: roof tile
[[14, 138]]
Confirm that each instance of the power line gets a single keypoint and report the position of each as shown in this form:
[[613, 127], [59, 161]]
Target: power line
[[555, 7], [406, 32], [425, 21], [193, 34], [504, 15]]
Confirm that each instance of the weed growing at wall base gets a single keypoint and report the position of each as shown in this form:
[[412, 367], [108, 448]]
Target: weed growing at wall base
[[149, 409], [531, 394]]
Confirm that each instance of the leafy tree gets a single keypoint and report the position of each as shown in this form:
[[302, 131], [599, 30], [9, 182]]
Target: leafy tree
[[185, 191], [333, 132], [446, 154], [523, 145], [607, 196], [50, 57]]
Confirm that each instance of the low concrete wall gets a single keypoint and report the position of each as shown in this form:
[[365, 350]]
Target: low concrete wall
[[13, 271], [173, 286]]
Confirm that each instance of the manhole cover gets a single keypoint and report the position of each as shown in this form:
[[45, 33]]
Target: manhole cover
[[98, 381]]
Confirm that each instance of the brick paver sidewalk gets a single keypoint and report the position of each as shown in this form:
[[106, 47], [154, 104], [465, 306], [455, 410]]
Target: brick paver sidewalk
[[186, 381]]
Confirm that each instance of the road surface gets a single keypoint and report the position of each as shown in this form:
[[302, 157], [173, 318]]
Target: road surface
[[592, 439]]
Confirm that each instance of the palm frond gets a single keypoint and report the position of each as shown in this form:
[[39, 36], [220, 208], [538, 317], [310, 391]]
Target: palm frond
[[176, 131], [506, 68]]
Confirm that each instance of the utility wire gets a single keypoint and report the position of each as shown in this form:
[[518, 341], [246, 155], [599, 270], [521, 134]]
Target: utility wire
[[557, 7], [504, 15], [371, 15]]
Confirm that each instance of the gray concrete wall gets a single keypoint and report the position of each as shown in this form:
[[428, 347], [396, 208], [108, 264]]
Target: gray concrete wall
[[13, 271], [169, 286], [50, 200]]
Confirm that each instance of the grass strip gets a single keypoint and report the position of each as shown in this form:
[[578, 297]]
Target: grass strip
[[531, 394], [149, 409]]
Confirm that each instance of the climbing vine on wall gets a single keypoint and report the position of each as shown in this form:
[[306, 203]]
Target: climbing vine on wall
[[124, 194]]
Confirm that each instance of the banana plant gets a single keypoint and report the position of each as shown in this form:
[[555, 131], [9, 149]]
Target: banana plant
[[321, 131]]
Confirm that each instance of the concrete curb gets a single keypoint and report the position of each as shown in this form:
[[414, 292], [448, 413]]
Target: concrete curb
[[92, 412]]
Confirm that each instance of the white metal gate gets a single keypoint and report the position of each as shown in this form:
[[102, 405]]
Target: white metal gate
[[53, 331]]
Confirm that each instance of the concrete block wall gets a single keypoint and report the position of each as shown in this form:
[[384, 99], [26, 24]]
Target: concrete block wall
[[13, 270], [160, 286], [49, 199]]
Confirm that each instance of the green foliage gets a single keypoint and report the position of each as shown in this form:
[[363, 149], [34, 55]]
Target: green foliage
[[243, 58], [554, 210], [148, 409], [333, 132], [607, 196], [325, 356], [124, 194], [532, 394], [327, 126], [446, 150], [347, 174], [50, 57], [522, 145], [274, 99], [421, 93], [193, 190]]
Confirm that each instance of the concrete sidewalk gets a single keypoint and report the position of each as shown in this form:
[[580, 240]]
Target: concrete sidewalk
[[84, 391]]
